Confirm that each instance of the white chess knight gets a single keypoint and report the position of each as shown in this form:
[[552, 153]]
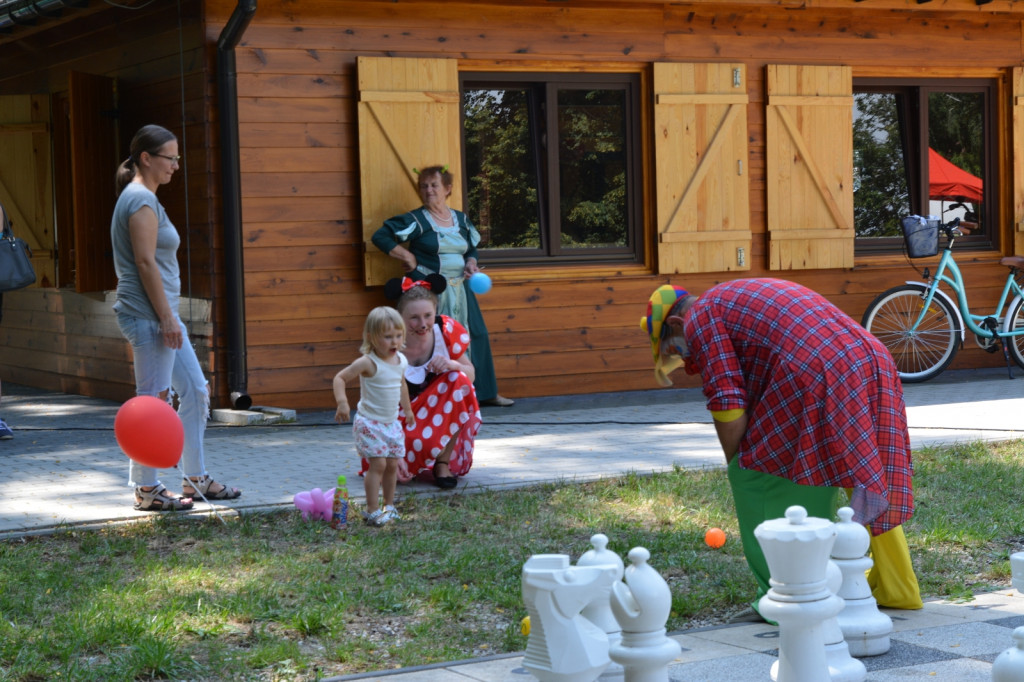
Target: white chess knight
[[599, 610], [563, 646], [797, 550], [865, 628], [641, 606]]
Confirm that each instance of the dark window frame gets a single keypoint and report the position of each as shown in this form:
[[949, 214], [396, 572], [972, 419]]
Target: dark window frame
[[916, 91], [543, 118]]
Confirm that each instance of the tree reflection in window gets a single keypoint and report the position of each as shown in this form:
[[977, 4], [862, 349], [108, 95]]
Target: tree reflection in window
[[552, 166], [895, 125]]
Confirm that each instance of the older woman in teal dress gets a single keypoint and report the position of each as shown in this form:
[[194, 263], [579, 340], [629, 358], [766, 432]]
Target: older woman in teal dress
[[442, 240]]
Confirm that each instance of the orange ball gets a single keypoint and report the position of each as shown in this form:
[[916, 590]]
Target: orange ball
[[715, 537]]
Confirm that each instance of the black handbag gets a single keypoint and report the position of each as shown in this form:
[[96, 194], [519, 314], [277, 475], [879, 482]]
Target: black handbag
[[15, 261]]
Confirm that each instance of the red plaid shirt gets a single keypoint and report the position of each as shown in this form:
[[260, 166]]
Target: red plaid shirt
[[823, 397]]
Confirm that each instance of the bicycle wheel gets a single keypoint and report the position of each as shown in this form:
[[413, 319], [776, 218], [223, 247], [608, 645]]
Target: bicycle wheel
[[920, 352], [1015, 320]]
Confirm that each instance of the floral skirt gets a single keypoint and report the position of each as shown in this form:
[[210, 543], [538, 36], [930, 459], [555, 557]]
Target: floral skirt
[[444, 410]]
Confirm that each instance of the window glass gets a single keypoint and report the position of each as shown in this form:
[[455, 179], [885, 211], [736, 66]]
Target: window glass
[[921, 149], [552, 166], [956, 156], [501, 168], [880, 190], [592, 168]]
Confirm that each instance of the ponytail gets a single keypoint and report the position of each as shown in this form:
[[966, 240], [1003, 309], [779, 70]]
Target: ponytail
[[125, 173]]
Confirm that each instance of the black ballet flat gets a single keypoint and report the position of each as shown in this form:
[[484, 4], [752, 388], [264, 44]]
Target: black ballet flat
[[444, 482]]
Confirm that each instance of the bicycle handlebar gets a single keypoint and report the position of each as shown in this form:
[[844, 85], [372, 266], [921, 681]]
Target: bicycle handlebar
[[952, 229]]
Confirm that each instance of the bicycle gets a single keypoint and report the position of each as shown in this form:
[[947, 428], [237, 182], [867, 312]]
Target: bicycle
[[923, 327]]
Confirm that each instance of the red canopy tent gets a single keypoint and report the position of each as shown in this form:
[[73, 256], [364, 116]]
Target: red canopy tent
[[949, 182]]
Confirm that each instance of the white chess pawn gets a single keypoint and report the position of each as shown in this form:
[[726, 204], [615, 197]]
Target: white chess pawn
[[1009, 665], [599, 610], [865, 628], [563, 646], [797, 549], [641, 606], [842, 667]]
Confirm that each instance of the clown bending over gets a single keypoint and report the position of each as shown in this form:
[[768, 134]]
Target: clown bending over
[[806, 404]]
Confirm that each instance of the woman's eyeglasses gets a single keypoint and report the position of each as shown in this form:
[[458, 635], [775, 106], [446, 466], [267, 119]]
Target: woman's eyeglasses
[[172, 159]]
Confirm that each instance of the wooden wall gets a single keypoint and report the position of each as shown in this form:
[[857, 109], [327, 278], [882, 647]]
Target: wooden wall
[[53, 337], [69, 342], [553, 330]]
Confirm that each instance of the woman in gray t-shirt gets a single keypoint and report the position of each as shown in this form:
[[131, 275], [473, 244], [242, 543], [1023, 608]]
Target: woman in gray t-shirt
[[148, 288]]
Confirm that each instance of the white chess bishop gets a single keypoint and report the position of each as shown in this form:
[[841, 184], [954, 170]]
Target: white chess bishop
[[641, 606]]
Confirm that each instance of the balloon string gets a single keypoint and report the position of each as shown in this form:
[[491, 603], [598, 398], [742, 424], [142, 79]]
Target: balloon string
[[196, 488]]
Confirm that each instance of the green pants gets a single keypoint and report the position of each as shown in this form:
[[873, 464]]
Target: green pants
[[759, 497]]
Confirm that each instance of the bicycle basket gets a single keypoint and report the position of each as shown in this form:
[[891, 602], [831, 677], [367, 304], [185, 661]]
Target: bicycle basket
[[921, 236]]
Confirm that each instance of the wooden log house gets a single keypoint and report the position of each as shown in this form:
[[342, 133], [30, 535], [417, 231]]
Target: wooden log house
[[724, 133]]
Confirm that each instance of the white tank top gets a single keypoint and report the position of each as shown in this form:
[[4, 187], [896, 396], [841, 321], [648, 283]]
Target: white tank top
[[380, 394]]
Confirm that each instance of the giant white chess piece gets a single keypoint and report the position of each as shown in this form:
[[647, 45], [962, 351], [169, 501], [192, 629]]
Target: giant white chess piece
[[865, 628], [1017, 571], [563, 646], [599, 610], [797, 550], [641, 606], [1009, 665], [842, 667]]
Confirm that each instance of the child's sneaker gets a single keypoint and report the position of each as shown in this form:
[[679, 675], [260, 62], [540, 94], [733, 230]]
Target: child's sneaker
[[5, 431], [377, 518], [394, 512]]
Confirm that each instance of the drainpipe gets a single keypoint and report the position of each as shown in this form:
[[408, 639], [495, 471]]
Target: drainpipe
[[231, 191]]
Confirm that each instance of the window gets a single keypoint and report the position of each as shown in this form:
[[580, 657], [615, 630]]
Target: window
[[922, 148], [552, 166]]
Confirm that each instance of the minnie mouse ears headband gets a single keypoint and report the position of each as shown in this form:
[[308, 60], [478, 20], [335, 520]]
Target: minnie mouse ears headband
[[434, 283]]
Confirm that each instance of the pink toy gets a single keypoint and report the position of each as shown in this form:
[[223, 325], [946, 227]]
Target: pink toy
[[315, 504]]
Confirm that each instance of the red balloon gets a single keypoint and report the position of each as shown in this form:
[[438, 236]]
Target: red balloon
[[150, 432]]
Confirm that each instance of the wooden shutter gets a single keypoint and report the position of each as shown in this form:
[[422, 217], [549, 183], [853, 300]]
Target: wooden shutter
[[1018, 160], [809, 163], [26, 189], [408, 118], [700, 119], [93, 137]]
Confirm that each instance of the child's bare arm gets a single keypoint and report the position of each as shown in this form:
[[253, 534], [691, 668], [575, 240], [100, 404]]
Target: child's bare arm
[[361, 367], [410, 418]]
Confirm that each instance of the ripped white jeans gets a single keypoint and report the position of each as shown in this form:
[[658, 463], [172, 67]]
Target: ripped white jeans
[[159, 368]]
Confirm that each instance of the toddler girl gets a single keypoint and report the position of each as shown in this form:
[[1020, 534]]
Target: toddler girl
[[378, 433]]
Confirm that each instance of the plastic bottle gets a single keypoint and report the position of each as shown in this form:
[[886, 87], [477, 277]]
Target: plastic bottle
[[339, 510]]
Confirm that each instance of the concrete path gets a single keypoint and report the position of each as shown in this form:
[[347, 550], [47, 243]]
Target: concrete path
[[64, 448]]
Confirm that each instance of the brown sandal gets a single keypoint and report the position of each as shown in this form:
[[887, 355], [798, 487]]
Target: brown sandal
[[158, 499], [203, 486]]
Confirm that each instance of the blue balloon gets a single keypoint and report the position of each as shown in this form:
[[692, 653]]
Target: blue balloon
[[479, 283]]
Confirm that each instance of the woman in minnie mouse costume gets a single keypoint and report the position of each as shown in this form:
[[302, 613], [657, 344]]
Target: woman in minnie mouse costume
[[440, 377]]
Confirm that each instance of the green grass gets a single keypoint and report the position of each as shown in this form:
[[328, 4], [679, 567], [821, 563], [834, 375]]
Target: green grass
[[270, 597]]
